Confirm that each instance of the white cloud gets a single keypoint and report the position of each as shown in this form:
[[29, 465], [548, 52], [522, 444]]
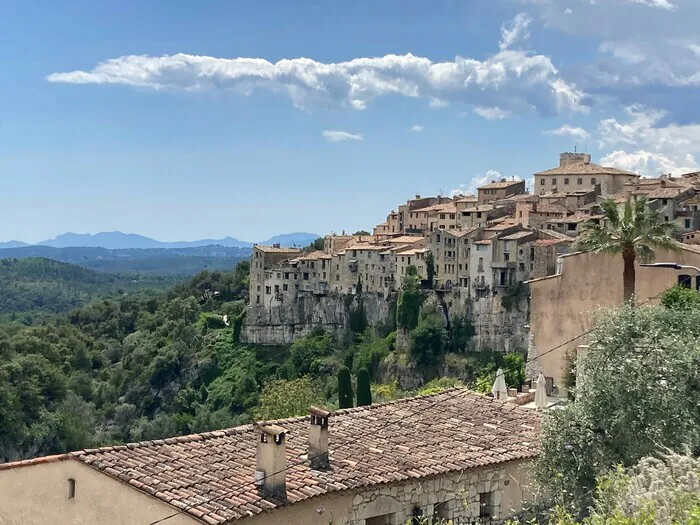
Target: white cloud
[[661, 4], [513, 80], [568, 11], [650, 148], [340, 136], [494, 113], [416, 128], [515, 30], [569, 131], [438, 103], [625, 51]]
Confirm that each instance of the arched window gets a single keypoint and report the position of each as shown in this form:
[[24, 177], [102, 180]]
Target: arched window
[[71, 488], [685, 281]]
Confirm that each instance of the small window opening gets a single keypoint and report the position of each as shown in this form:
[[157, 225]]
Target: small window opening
[[71, 488], [485, 504]]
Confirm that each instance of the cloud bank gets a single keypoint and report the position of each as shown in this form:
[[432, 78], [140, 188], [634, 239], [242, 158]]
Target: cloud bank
[[515, 81]]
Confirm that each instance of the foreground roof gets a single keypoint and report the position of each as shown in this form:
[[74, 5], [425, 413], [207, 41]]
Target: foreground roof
[[210, 475], [585, 168]]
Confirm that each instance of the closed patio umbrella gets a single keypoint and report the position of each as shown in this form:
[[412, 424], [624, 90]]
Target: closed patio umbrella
[[541, 392], [499, 388]]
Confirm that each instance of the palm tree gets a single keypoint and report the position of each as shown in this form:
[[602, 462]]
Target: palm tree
[[635, 233]]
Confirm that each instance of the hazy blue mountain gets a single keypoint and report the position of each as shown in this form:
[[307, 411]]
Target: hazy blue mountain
[[12, 244], [109, 240], [290, 240], [229, 242], [127, 241]]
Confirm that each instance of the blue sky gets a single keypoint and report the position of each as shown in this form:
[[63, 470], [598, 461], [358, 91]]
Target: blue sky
[[185, 119]]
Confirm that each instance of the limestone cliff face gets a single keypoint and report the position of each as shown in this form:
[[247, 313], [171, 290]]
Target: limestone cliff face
[[281, 325], [496, 327]]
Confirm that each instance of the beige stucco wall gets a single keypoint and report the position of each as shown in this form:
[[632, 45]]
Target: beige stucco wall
[[564, 306], [510, 482], [38, 495]]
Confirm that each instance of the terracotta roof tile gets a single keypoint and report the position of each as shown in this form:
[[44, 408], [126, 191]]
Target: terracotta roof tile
[[585, 168], [274, 249], [501, 185], [210, 475]]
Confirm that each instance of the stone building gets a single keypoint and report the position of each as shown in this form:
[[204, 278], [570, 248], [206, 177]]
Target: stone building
[[265, 258], [577, 172], [499, 190], [480, 216], [455, 455], [451, 251]]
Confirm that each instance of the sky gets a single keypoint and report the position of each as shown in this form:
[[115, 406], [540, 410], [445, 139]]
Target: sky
[[182, 120]]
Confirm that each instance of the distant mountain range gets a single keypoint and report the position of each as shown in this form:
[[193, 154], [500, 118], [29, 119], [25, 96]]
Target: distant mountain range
[[124, 241]]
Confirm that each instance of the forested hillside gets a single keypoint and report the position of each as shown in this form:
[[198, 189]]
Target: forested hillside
[[137, 367], [38, 287]]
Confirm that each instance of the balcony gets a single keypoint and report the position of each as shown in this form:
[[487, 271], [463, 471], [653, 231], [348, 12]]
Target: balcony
[[480, 286], [503, 265]]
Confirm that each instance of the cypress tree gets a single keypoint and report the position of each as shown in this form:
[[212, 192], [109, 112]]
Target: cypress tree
[[364, 392], [344, 388]]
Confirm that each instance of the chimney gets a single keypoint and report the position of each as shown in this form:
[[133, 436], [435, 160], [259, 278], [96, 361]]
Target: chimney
[[318, 438], [271, 460]]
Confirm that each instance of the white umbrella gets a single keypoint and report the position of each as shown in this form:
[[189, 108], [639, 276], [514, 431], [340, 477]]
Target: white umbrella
[[499, 388], [541, 392]]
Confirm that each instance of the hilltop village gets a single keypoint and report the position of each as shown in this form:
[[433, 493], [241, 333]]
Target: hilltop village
[[482, 244]]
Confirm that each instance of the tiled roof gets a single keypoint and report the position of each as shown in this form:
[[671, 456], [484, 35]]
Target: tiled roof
[[485, 241], [483, 207], [517, 235], [500, 185], [466, 198], [459, 233], [585, 168], [555, 235], [695, 199], [210, 476], [663, 193], [522, 197], [274, 249], [314, 256], [403, 239], [445, 207]]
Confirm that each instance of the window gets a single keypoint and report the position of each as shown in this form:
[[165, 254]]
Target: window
[[71, 488], [521, 213], [268, 290], [277, 288], [485, 505], [258, 288], [554, 182], [666, 218], [506, 256], [684, 281], [306, 276], [521, 267], [279, 275], [579, 181], [566, 181], [416, 516], [478, 215], [593, 181], [257, 299], [285, 287], [286, 275], [664, 202], [541, 182], [687, 224], [337, 277]]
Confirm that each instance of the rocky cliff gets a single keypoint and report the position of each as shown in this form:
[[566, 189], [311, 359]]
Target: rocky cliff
[[281, 325], [497, 328]]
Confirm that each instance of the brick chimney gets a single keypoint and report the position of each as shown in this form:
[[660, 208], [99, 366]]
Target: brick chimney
[[318, 438], [271, 460]]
